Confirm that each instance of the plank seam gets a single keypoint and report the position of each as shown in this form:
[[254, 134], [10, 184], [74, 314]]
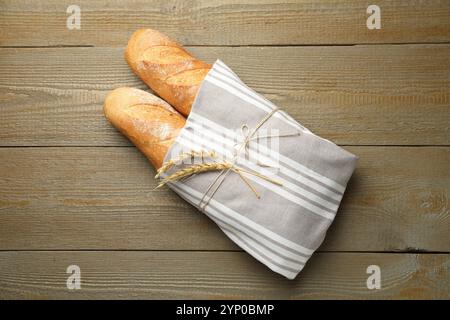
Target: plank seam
[[194, 250], [240, 45]]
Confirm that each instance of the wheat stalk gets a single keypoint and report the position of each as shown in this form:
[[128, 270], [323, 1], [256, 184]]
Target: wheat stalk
[[192, 154], [199, 168]]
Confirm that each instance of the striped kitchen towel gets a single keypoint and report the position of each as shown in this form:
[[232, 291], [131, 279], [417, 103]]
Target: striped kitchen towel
[[299, 177]]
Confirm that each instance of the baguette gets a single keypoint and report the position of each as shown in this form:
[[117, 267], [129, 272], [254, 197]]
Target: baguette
[[167, 68], [149, 122]]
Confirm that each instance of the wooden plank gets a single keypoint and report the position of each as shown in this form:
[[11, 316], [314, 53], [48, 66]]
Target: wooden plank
[[219, 275], [382, 95], [219, 22], [103, 198]]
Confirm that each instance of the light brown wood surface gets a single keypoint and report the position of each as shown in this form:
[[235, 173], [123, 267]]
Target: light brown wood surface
[[74, 191], [371, 95], [218, 275], [103, 198], [220, 22]]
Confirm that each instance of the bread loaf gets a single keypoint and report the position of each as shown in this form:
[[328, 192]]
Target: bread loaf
[[167, 68], [149, 122]]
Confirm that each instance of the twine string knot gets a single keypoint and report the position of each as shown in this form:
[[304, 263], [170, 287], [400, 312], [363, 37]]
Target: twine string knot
[[224, 167]]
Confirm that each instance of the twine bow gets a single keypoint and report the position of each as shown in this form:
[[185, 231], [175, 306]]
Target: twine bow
[[224, 167]]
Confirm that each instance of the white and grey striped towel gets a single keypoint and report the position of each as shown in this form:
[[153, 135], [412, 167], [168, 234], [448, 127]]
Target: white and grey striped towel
[[288, 222]]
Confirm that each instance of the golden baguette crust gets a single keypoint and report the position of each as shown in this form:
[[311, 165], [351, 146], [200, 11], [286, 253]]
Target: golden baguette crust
[[167, 68], [149, 122]]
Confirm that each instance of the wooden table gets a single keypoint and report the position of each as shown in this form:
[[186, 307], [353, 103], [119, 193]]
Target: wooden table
[[73, 191]]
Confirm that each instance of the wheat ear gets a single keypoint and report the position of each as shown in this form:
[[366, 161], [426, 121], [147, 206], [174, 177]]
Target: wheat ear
[[188, 171], [192, 154]]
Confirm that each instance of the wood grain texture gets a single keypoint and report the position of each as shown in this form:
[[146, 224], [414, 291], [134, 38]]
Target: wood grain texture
[[220, 22], [88, 199], [370, 95], [219, 275], [103, 198]]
